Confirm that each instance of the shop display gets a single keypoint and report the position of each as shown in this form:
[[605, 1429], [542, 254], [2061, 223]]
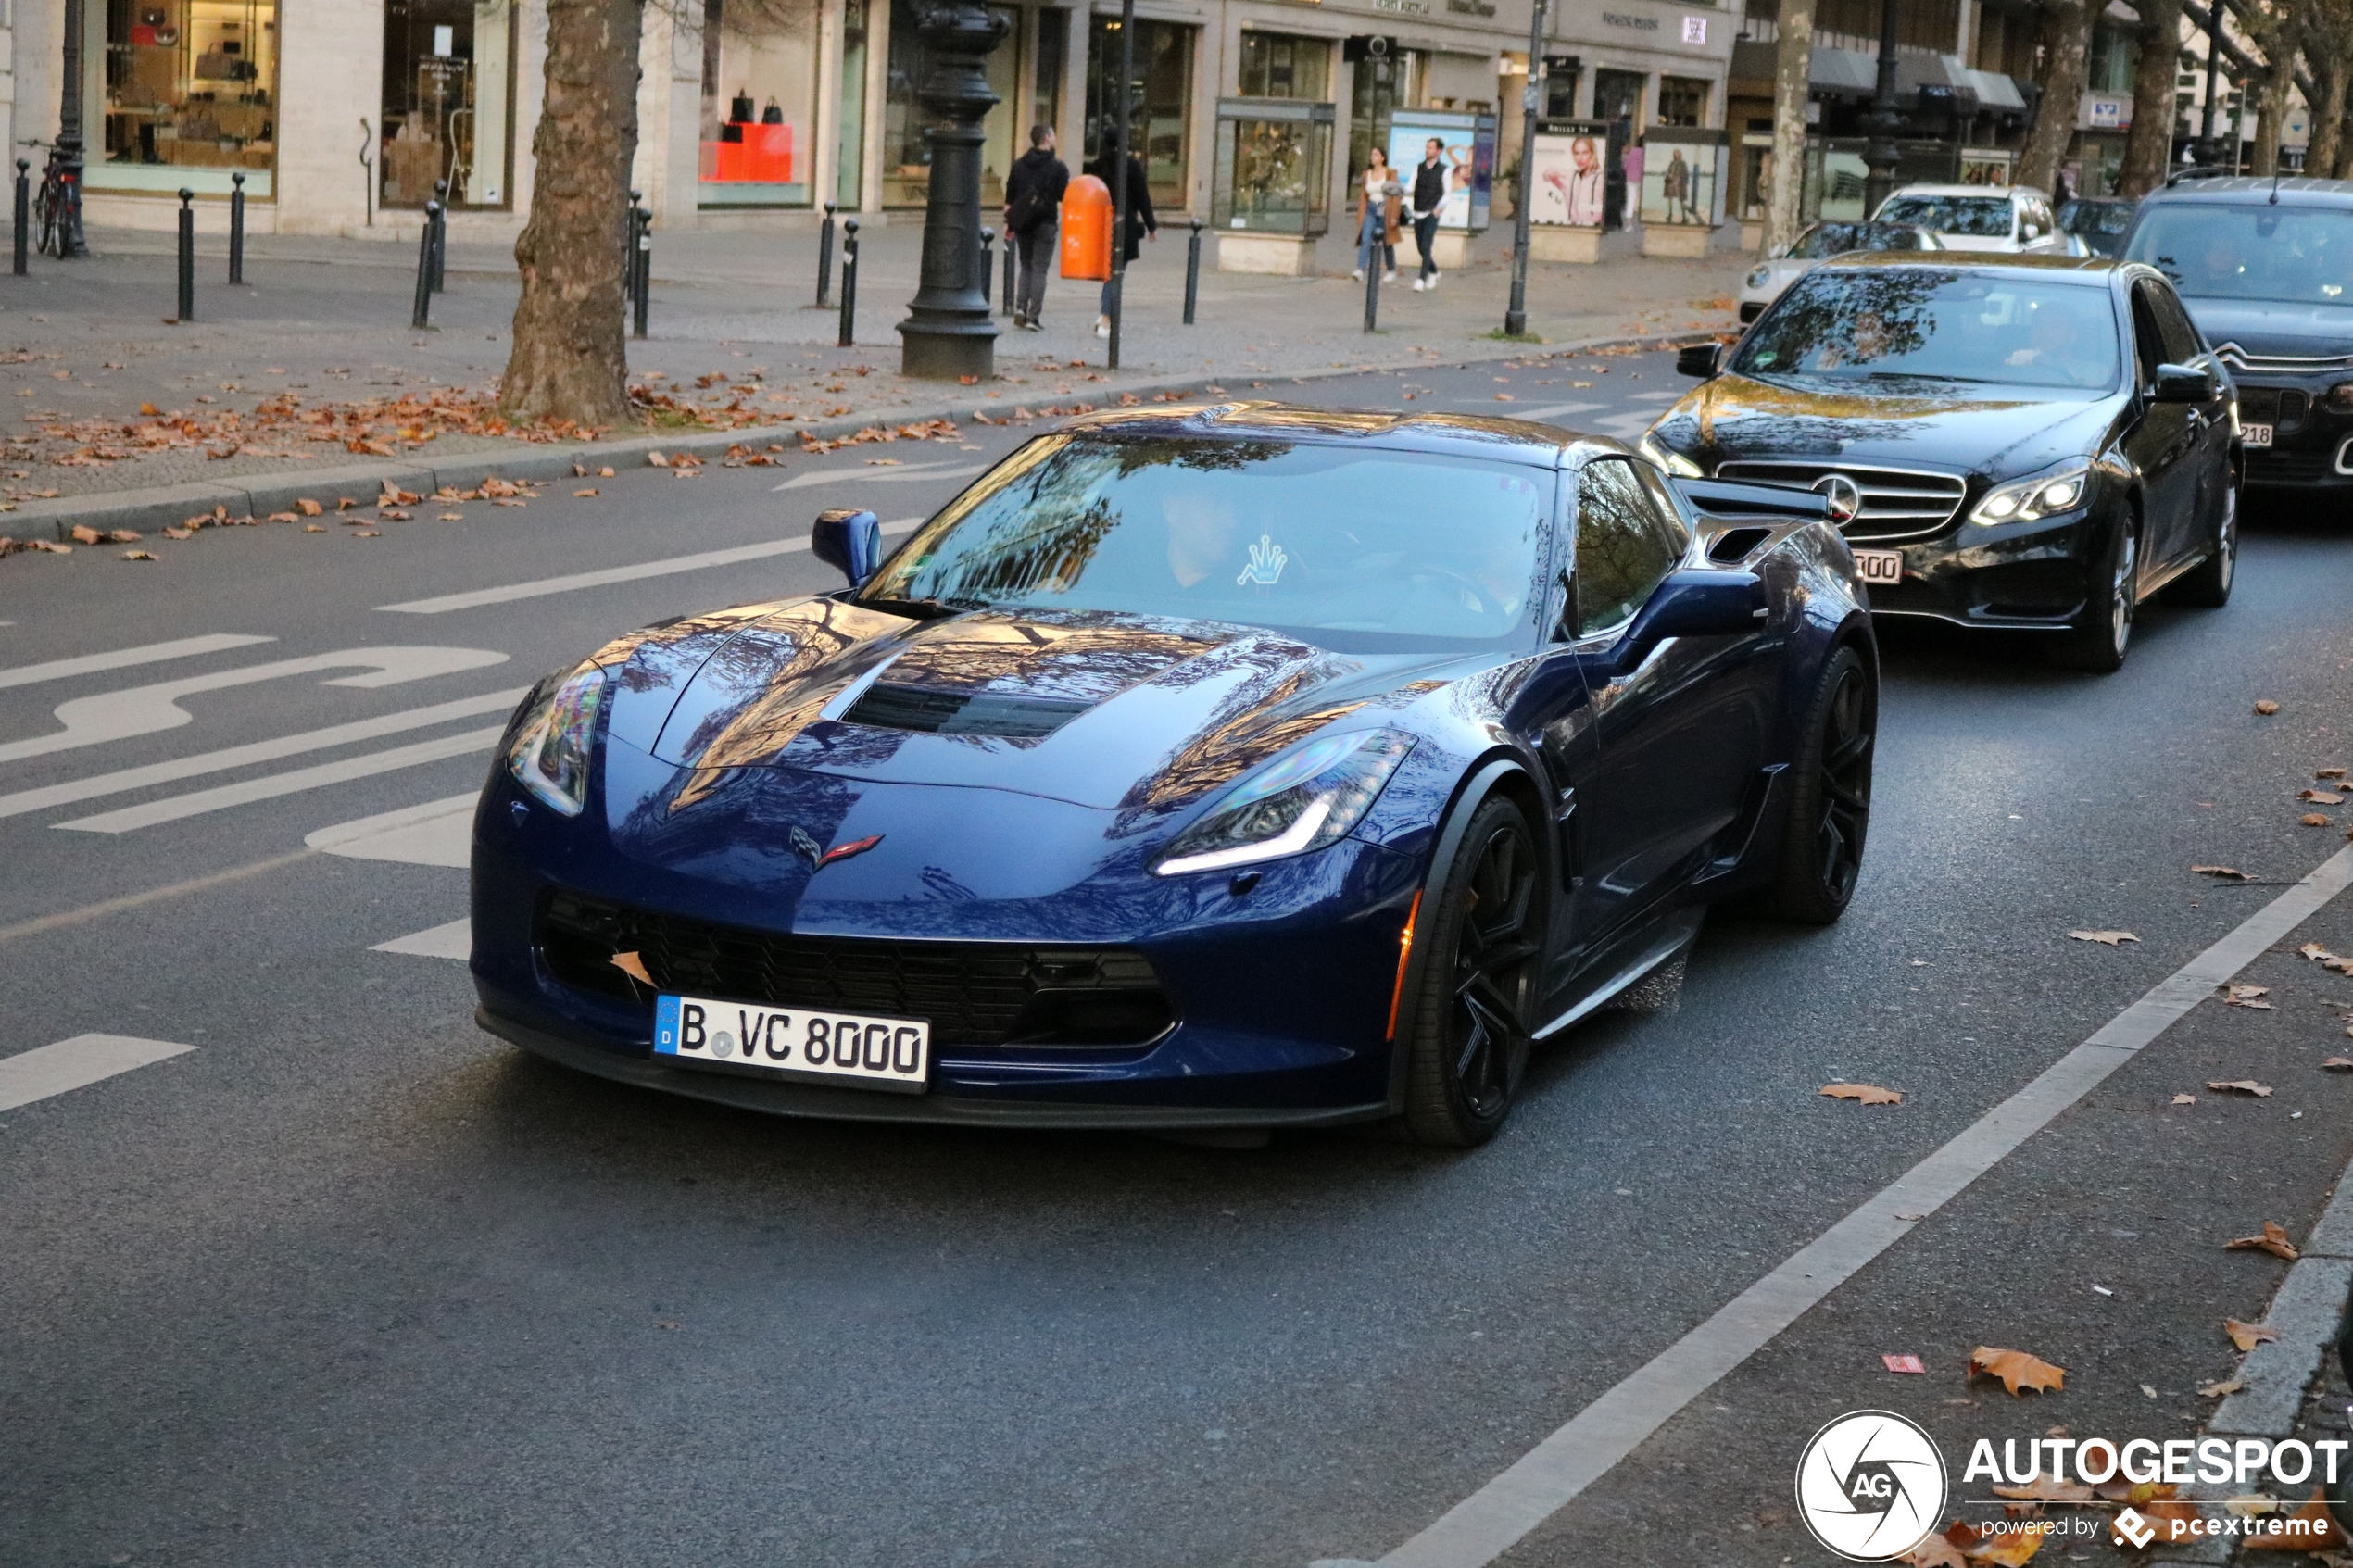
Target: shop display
[[190, 97]]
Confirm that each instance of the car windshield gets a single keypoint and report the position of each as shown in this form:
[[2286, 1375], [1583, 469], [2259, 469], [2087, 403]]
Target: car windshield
[[2095, 217], [1985, 217], [1936, 324], [1360, 551], [2299, 255], [1837, 239]]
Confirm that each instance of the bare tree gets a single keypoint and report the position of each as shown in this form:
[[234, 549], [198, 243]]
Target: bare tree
[[2148, 145], [2328, 49], [2066, 47], [1792, 82], [2276, 28]]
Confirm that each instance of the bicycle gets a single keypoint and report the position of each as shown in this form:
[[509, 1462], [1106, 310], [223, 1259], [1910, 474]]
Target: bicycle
[[51, 204]]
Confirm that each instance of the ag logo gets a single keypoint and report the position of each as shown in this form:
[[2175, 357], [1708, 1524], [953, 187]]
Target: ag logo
[[1870, 1486]]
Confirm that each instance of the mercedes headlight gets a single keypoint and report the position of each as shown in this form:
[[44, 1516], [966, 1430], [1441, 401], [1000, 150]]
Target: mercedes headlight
[[1673, 462], [1301, 801], [2029, 500], [549, 755]]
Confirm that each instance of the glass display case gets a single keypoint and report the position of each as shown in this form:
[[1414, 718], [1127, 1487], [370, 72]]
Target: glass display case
[[191, 96], [1274, 166], [448, 96]]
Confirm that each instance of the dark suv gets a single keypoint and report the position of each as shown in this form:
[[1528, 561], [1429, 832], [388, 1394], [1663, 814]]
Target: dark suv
[[2266, 268]]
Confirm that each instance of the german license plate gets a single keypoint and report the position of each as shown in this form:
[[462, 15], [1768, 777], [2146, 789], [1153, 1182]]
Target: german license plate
[[819, 1045], [1879, 569], [2256, 435]]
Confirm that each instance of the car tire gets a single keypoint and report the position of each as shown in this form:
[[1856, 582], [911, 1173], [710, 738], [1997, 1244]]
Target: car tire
[[1466, 1028], [2208, 584], [2103, 630], [1829, 815]]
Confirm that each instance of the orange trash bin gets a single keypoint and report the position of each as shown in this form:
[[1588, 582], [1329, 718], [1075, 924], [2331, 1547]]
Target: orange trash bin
[[1086, 234]]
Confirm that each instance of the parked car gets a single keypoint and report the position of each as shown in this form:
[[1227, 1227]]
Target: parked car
[[1237, 766], [2026, 443], [2002, 218], [1818, 243], [2266, 268], [2098, 221]]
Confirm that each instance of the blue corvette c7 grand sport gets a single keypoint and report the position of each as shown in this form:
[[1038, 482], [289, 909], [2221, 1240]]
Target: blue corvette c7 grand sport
[[1221, 767]]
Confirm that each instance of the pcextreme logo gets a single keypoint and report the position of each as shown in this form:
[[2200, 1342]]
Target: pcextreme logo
[[1870, 1486]]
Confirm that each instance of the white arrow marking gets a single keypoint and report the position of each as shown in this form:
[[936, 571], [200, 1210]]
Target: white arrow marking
[[151, 653]]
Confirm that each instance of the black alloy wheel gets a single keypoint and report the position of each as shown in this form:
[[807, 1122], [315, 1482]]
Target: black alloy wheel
[[2103, 629], [2208, 584], [1483, 926], [1829, 799]]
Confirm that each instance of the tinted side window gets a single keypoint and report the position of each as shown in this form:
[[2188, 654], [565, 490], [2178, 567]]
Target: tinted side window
[[1625, 542], [2181, 342], [2149, 339]]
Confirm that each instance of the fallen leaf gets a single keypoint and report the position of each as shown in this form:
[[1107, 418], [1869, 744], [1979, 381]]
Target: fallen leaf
[[86, 535], [2274, 1240], [2148, 1390], [136, 555], [2313, 820], [286, 516], [604, 473], [344, 503], [2314, 951], [2329, 773], [656, 459], [2266, 707], [2241, 1087], [365, 534], [150, 410], [2320, 796], [392, 514], [2219, 1390], [2316, 1528], [2245, 996], [630, 965], [179, 533], [453, 517], [2106, 939], [1865, 1094], [2340, 1063], [2015, 1369], [314, 528], [2185, 1099], [123, 536], [1902, 1363], [1506, 397], [2248, 1335], [578, 493], [2231, 873]]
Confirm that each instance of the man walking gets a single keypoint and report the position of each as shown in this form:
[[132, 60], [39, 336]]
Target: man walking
[[1430, 190], [1142, 221], [1034, 188]]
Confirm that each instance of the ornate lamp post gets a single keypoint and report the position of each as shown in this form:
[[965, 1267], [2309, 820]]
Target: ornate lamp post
[[1881, 154], [948, 332], [70, 242]]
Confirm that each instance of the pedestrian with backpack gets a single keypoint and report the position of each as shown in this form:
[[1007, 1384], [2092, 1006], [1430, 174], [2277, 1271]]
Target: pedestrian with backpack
[[1034, 188]]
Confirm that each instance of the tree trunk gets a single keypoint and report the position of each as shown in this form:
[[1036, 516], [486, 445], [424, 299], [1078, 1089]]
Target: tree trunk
[[569, 360], [2148, 145], [2065, 63], [2328, 117], [1793, 80]]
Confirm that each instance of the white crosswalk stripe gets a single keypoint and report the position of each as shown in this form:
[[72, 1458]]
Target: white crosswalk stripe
[[171, 808], [121, 659], [910, 472], [455, 940], [74, 1063], [439, 833]]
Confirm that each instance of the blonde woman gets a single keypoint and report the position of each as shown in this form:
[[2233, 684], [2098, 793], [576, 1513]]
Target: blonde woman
[[1378, 199]]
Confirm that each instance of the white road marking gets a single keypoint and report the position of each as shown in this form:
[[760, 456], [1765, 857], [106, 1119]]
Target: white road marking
[[171, 808], [151, 653], [610, 575], [1552, 410], [142, 710], [439, 833], [455, 940], [71, 1064], [125, 779], [1651, 397], [1488, 1523], [1626, 427], [882, 476]]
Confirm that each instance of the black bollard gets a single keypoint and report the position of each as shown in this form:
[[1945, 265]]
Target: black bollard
[[642, 263], [440, 211], [1372, 289], [420, 317], [629, 246], [24, 210], [825, 259], [1012, 273], [1192, 272], [849, 283], [987, 263], [238, 230], [187, 257]]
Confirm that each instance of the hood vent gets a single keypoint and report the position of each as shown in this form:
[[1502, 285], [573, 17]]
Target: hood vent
[[929, 711]]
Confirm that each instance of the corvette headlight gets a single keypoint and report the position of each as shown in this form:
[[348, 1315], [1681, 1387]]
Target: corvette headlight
[[1673, 462], [1301, 801], [2026, 500], [549, 756]]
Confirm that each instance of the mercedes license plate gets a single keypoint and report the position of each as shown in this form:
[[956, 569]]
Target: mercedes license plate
[[2256, 435], [1879, 569], [813, 1044]]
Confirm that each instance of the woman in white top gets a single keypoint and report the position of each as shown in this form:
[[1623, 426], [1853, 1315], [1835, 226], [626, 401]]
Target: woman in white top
[[1378, 199]]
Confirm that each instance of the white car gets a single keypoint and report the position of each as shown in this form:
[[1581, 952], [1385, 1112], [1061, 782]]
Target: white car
[[1818, 243], [1998, 217]]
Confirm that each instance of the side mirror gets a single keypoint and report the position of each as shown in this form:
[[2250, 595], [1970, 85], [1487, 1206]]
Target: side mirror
[[1699, 359], [851, 541], [2185, 383], [1696, 602]]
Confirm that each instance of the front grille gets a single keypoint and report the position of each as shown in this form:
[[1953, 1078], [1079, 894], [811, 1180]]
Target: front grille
[[2283, 407], [2270, 465], [1898, 503], [2238, 359], [930, 712], [974, 993]]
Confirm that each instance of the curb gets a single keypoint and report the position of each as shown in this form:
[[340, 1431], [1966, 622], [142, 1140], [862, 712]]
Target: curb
[[164, 506]]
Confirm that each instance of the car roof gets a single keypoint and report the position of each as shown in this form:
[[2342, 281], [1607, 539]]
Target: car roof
[[2244, 190], [2093, 268], [1470, 435], [2003, 191]]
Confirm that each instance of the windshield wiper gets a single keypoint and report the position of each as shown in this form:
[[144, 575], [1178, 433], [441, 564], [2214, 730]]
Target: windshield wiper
[[925, 610]]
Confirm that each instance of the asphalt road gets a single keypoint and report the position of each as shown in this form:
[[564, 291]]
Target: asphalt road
[[349, 1283]]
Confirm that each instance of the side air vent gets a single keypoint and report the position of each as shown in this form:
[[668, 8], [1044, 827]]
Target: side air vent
[[921, 708], [1731, 545]]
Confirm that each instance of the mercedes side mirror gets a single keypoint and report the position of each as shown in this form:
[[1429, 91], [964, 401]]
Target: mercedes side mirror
[[851, 541], [1696, 602], [1699, 359], [2185, 383]]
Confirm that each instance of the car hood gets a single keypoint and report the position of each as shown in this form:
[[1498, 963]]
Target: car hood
[[1996, 432], [2275, 328]]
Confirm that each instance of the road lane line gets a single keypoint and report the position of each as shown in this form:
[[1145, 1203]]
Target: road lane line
[[71, 1064], [105, 906], [125, 779], [171, 808], [881, 476], [439, 833], [1552, 410], [610, 575], [151, 653], [1491, 1520], [455, 940]]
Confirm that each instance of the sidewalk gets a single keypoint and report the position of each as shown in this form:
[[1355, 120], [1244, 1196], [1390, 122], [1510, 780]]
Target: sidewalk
[[86, 350]]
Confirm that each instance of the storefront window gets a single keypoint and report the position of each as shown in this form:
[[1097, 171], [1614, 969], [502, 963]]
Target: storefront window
[[1380, 86], [1282, 65], [1274, 161], [1682, 100], [192, 96], [759, 107], [1160, 100], [849, 149], [906, 152], [1053, 56], [448, 95]]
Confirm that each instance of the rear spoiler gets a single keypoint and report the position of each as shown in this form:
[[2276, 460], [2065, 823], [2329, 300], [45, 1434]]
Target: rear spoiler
[[1751, 501]]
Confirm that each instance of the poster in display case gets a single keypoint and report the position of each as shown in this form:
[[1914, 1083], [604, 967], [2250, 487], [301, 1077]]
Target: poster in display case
[[1682, 176], [1467, 144], [1570, 177]]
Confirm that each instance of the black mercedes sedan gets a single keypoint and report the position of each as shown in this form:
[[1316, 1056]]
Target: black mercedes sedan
[[2026, 442], [2266, 268]]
